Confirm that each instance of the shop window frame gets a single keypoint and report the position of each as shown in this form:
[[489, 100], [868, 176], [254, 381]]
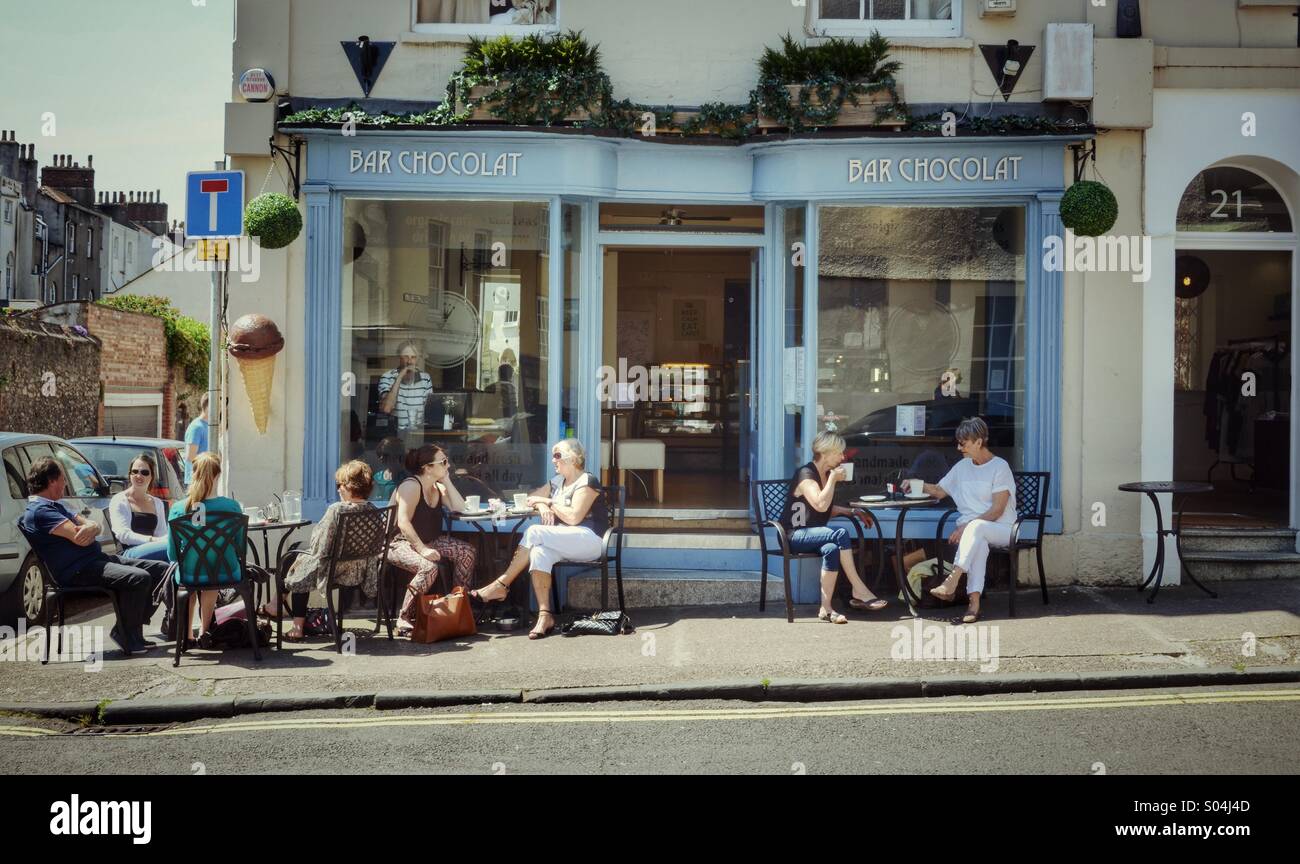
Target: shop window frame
[[945, 28], [465, 30]]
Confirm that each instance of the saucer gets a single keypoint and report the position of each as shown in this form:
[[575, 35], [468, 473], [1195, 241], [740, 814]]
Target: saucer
[[916, 496], [872, 498], [482, 511]]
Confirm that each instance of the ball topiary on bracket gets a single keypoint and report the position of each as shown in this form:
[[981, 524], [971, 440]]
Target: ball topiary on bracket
[[1089, 208], [273, 219]]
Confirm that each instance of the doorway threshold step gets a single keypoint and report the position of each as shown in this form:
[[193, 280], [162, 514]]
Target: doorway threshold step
[[644, 588], [1211, 566], [1238, 540]]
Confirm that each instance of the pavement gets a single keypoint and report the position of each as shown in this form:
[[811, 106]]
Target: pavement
[[1086, 638]]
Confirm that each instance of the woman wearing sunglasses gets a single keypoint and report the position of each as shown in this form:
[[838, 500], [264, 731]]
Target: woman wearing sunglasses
[[574, 519], [421, 543], [139, 520]]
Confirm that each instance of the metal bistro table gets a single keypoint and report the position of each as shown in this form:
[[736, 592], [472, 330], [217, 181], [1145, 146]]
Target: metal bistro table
[[265, 529], [903, 506], [1170, 487], [487, 523]]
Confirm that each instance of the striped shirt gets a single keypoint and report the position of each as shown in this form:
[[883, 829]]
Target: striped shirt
[[409, 408]]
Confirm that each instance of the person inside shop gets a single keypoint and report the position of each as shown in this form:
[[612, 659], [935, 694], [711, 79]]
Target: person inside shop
[[421, 542], [139, 519], [203, 490], [390, 469], [355, 483], [574, 519], [808, 510], [69, 547], [984, 490], [404, 391]]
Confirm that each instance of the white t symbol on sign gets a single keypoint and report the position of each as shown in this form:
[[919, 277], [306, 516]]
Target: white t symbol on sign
[[213, 188]]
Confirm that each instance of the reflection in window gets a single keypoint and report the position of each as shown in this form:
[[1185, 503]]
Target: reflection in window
[[886, 10], [494, 12], [920, 324], [433, 335]]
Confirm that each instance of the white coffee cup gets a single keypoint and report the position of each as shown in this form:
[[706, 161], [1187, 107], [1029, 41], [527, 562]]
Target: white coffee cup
[[847, 468], [521, 500], [917, 486], [471, 502]]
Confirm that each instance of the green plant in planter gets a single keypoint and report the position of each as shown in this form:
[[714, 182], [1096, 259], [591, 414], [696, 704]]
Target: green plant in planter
[[1089, 208], [536, 79], [273, 219], [827, 75]]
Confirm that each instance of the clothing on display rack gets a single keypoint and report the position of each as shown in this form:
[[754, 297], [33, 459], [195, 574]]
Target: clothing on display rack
[[1231, 409]]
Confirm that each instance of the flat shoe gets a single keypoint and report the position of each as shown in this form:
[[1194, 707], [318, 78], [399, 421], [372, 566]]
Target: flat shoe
[[832, 618], [868, 605], [968, 618], [935, 592]]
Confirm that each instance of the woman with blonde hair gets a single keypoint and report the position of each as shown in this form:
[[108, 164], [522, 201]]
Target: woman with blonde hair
[[202, 493], [810, 506]]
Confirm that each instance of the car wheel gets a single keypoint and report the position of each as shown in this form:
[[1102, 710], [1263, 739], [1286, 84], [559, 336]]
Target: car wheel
[[32, 578]]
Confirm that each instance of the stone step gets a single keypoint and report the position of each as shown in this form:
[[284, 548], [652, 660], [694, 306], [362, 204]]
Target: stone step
[[1238, 540], [650, 588], [1212, 566]]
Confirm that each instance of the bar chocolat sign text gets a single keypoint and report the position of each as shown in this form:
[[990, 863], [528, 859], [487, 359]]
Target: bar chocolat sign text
[[919, 169], [459, 163]]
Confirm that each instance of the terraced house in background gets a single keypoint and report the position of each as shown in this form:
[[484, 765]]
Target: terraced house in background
[[673, 203]]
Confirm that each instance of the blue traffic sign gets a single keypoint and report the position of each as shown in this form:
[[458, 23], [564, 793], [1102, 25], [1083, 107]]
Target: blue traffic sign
[[214, 203]]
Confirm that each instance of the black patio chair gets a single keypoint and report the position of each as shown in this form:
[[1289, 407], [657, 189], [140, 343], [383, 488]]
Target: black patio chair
[[210, 555], [1031, 506], [55, 594], [615, 505], [768, 498], [393, 579], [360, 535]]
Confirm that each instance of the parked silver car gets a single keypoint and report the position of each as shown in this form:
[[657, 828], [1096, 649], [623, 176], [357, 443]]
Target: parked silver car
[[113, 455], [22, 576]]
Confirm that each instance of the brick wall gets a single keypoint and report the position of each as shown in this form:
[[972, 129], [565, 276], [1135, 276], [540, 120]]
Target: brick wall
[[49, 379]]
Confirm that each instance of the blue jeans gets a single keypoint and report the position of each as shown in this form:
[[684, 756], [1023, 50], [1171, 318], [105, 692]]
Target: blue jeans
[[828, 541], [153, 551]]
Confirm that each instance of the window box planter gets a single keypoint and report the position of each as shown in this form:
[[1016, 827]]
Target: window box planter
[[481, 111], [869, 112]]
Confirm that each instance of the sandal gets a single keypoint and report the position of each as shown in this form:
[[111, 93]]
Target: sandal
[[873, 605], [947, 598], [266, 613], [832, 617], [404, 628], [291, 636], [542, 634], [476, 599], [969, 618]]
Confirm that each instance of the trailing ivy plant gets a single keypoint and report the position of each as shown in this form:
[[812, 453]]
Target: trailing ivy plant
[[827, 75], [536, 79], [1004, 124], [188, 340]]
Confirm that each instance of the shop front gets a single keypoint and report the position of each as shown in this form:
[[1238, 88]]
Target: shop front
[[493, 292]]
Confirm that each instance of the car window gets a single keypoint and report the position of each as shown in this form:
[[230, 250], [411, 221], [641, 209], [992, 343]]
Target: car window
[[15, 475], [83, 480], [111, 459]]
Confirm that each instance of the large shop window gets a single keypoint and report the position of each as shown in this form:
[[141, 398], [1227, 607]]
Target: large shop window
[[445, 329], [484, 16], [890, 17], [921, 323]]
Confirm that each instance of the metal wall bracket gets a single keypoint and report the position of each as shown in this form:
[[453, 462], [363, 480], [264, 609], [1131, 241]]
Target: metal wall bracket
[[295, 166], [1082, 153]]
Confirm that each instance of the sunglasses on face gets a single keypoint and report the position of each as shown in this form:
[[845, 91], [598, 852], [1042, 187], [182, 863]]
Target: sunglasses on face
[[440, 462], [143, 472]]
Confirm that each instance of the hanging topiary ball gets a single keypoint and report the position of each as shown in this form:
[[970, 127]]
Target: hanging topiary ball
[[273, 219], [1089, 208]]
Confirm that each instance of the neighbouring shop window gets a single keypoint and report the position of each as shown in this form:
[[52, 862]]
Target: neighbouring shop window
[[921, 323], [488, 15], [792, 360], [1231, 200], [571, 244], [441, 340], [890, 17]]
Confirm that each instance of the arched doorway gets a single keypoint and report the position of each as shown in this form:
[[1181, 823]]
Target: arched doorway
[[1235, 277]]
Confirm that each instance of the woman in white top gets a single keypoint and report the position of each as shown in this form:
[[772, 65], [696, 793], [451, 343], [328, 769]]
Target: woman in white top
[[573, 518], [984, 490], [139, 519]]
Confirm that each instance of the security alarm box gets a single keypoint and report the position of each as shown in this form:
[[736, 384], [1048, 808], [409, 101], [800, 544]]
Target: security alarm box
[[997, 7], [1067, 62]]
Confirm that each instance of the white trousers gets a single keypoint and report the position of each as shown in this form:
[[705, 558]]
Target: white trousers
[[548, 545], [973, 549]]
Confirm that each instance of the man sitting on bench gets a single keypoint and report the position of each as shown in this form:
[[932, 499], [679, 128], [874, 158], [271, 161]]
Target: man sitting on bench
[[67, 544]]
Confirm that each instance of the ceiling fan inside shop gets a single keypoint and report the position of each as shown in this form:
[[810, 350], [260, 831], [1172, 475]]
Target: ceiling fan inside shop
[[673, 217]]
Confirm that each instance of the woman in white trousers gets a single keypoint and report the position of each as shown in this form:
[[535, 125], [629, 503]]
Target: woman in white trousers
[[984, 490]]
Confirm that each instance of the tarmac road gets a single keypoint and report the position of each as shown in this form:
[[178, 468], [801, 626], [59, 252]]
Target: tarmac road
[[1223, 730]]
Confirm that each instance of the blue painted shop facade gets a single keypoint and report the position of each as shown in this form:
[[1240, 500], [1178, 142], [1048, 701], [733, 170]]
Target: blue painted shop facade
[[820, 199]]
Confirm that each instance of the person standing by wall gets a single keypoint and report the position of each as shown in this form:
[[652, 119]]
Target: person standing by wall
[[196, 439]]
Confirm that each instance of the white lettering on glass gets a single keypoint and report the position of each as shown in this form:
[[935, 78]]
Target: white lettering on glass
[[472, 163], [917, 169]]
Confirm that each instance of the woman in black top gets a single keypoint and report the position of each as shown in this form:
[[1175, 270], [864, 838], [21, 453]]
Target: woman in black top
[[808, 510]]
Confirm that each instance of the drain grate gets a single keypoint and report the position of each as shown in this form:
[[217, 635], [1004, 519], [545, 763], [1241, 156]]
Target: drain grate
[[119, 730]]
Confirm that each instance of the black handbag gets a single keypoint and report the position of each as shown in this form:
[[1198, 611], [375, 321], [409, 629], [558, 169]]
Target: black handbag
[[602, 623]]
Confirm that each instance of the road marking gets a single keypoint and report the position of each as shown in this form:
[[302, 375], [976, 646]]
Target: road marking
[[26, 732], [773, 712]]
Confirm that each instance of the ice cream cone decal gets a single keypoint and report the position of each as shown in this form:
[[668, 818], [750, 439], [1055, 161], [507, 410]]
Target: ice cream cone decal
[[254, 342]]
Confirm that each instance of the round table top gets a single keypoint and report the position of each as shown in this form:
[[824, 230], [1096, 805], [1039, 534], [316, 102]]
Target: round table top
[[267, 526], [887, 504], [1176, 487], [489, 516]]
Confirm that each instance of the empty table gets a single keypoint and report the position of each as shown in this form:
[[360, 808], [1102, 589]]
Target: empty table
[[1151, 489]]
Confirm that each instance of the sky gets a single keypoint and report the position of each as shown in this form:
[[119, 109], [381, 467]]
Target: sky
[[141, 84]]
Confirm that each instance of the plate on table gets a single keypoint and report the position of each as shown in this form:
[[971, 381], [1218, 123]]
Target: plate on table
[[916, 496], [518, 511], [872, 499], [482, 511]]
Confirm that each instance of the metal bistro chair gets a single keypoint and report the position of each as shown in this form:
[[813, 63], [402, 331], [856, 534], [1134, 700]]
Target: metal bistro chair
[[359, 535], [1031, 506], [54, 595], [392, 579], [768, 501], [615, 505], [210, 556]]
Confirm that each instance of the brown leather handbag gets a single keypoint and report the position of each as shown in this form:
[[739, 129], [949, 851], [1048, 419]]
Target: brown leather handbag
[[438, 617]]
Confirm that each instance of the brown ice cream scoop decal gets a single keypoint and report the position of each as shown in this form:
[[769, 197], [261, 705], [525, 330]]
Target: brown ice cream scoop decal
[[254, 342]]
